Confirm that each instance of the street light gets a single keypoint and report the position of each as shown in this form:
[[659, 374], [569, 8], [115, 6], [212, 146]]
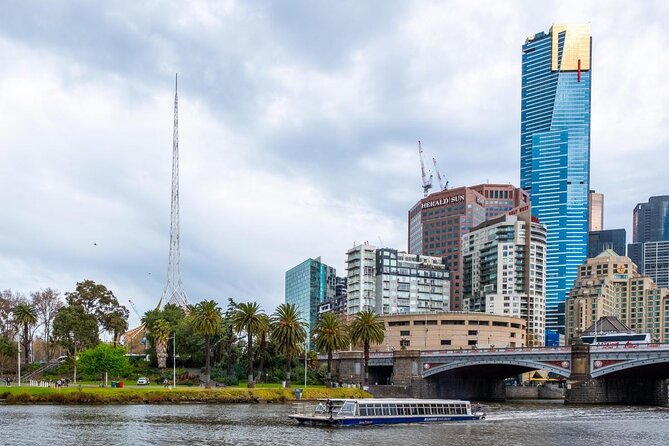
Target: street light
[[18, 356], [174, 360], [305, 364]]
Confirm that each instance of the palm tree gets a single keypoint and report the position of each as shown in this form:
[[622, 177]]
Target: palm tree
[[288, 332], [367, 328], [161, 333], [247, 318], [26, 316], [330, 333], [206, 321], [262, 352]]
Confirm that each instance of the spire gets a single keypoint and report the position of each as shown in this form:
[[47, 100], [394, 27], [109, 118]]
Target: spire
[[174, 292]]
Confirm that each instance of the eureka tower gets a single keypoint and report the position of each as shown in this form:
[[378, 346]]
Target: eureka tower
[[555, 153]]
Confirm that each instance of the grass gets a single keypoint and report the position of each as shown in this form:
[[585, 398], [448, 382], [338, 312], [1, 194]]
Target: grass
[[158, 394]]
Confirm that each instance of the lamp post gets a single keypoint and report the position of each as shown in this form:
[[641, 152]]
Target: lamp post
[[18, 356], [305, 364], [174, 360]]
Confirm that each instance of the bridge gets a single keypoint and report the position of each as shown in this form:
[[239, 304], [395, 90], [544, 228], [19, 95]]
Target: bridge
[[606, 374]]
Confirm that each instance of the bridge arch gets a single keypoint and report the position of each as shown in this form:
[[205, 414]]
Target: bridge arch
[[530, 365], [632, 364]]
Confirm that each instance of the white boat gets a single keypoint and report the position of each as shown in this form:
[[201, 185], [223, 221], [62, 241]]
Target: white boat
[[365, 411]]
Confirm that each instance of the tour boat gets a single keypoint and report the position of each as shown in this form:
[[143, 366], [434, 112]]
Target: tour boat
[[365, 411]]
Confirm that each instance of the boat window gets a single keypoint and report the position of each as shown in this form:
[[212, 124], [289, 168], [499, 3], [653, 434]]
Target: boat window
[[393, 409], [441, 409], [421, 409], [347, 409], [451, 409], [363, 410], [378, 411]]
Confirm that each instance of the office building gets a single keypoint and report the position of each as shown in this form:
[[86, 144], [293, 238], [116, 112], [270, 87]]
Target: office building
[[652, 259], [308, 285], [595, 211], [610, 285], [338, 303], [437, 222], [600, 241], [504, 264], [650, 221], [555, 153], [410, 283], [361, 278]]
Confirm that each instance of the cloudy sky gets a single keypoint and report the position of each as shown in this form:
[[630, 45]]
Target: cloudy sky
[[298, 129]]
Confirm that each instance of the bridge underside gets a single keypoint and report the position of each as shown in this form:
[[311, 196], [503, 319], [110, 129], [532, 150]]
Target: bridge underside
[[472, 383]]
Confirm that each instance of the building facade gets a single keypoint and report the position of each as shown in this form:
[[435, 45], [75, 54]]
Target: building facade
[[504, 266], [410, 283], [555, 153], [361, 278], [652, 259], [610, 285], [600, 241], [595, 211], [338, 304], [437, 222], [308, 285], [650, 221], [452, 330]]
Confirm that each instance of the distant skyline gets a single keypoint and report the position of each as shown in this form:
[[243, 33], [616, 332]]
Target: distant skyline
[[298, 130]]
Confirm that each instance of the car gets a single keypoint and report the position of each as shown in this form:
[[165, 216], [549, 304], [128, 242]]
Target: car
[[143, 381]]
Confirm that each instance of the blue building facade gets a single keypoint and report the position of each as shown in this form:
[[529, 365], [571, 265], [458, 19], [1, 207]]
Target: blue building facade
[[555, 153], [600, 241], [308, 285]]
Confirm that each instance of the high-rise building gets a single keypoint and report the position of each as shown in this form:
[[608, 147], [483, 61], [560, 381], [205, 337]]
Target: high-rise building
[[438, 221], [555, 153], [595, 211], [410, 283], [361, 278], [308, 285], [600, 241], [652, 259], [338, 303], [650, 221], [609, 285], [504, 264]]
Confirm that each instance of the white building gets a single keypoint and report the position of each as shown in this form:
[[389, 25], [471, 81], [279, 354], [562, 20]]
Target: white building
[[361, 278], [410, 283], [504, 264]]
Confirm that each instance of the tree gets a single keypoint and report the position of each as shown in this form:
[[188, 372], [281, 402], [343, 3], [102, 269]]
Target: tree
[[8, 301], [26, 316], [174, 316], [74, 329], [247, 318], [206, 320], [262, 352], [7, 353], [161, 333], [367, 328], [288, 332], [47, 302], [330, 334], [100, 302], [104, 358]]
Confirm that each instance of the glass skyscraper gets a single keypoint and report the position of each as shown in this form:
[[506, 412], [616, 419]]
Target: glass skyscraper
[[309, 284], [555, 153]]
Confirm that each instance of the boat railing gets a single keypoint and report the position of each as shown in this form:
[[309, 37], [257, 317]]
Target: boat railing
[[304, 409]]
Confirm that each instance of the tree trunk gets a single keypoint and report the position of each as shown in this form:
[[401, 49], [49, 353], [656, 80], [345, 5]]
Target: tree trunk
[[207, 370], [249, 353], [365, 378], [329, 375], [261, 366], [47, 330], [290, 364], [26, 344]]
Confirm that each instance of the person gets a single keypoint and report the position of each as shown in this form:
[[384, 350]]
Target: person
[[165, 382], [330, 405]]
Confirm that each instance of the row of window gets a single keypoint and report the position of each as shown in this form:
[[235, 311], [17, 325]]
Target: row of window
[[411, 409]]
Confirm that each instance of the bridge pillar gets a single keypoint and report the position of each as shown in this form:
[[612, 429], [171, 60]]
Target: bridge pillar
[[407, 371], [348, 367]]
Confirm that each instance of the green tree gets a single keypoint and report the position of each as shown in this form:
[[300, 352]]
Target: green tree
[[74, 329], [161, 333], [330, 333], [367, 328], [104, 358], [47, 302], [7, 353], [116, 322], [262, 352], [100, 302], [247, 318], [289, 333], [25, 316], [206, 320]]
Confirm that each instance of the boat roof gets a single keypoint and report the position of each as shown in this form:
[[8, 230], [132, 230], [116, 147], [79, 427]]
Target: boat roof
[[396, 400]]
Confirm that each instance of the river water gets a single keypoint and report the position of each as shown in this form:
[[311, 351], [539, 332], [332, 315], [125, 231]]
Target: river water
[[533, 423]]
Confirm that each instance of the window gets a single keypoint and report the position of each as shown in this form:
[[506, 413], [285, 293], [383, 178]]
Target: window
[[472, 332], [445, 342], [472, 342], [405, 333]]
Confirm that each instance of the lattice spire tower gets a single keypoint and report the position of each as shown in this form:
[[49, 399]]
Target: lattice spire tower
[[174, 292]]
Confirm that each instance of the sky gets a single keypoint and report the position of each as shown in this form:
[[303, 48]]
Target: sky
[[298, 129]]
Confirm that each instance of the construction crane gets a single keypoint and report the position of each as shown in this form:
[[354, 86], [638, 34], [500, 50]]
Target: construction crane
[[442, 186], [427, 182], [134, 308]]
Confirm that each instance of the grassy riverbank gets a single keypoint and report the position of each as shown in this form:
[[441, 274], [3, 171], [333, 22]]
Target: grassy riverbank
[[156, 395]]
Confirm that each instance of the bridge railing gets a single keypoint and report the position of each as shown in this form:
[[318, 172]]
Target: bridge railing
[[629, 346]]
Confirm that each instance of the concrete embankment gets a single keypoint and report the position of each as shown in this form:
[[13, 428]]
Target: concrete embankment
[[534, 393]]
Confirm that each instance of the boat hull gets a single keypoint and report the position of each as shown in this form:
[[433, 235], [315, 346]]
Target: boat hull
[[367, 421]]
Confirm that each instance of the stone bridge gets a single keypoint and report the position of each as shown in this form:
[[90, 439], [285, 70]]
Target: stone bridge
[[629, 374]]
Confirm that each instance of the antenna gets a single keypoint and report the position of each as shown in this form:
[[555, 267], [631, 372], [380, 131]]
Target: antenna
[[427, 183], [442, 186], [174, 292]]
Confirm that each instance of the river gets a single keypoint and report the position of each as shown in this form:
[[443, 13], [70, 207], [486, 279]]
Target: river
[[529, 423]]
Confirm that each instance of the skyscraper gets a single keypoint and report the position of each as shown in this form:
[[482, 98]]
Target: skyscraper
[[595, 211], [309, 284], [555, 153], [600, 241], [650, 221]]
